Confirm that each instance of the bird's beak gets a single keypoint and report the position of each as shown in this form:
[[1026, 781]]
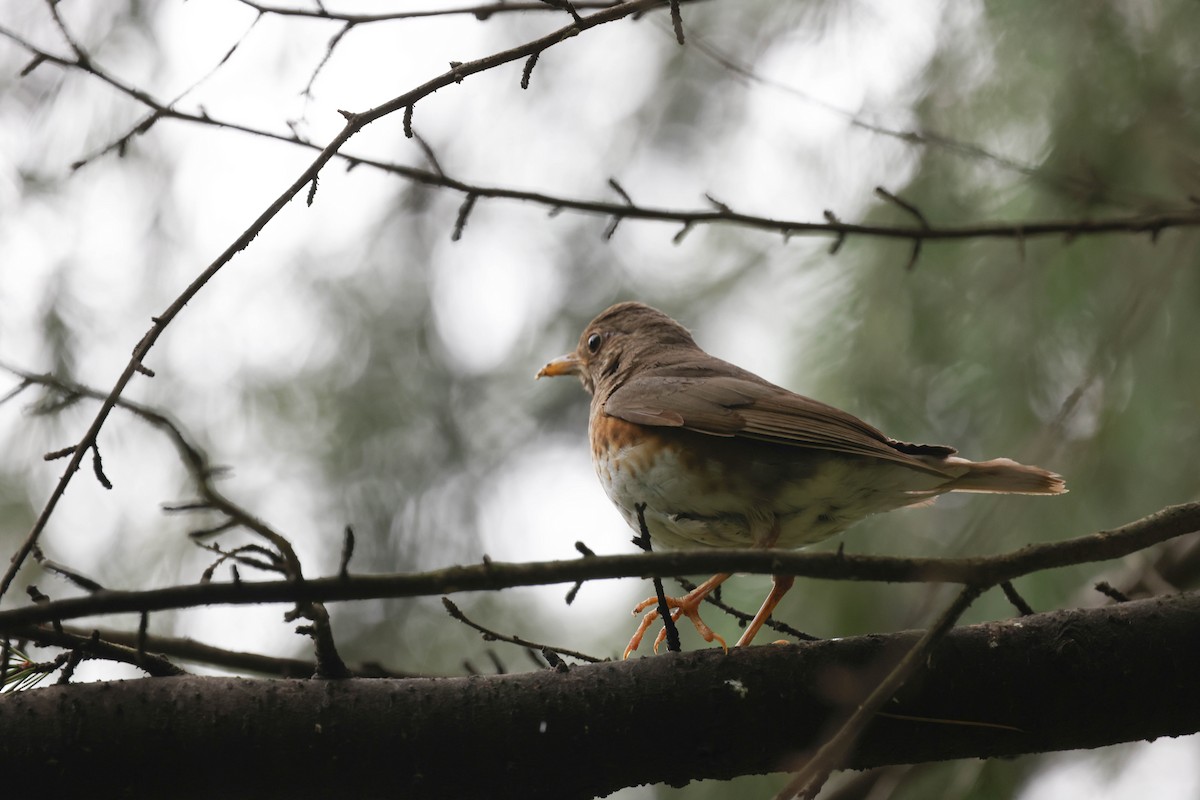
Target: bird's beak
[[563, 365]]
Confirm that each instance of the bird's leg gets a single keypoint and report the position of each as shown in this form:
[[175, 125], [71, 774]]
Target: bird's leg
[[779, 587], [686, 606]]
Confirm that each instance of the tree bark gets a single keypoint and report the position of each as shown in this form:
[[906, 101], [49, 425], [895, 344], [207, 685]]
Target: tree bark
[[1061, 680]]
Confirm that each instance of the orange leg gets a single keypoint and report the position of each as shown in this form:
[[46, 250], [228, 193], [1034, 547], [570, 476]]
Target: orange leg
[[779, 587], [686, 606]]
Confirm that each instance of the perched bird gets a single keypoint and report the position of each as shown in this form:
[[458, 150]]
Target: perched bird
[[722, 458]]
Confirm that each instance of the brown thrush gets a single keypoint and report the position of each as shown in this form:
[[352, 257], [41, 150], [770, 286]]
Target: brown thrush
[[722, 458]]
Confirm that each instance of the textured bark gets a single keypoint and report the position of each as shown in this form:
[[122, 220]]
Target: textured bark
[[1063, 680]]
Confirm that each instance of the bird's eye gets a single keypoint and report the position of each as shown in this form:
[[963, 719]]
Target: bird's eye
[[593, 343]]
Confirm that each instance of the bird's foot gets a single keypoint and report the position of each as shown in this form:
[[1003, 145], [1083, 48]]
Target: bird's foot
[[686, 606]]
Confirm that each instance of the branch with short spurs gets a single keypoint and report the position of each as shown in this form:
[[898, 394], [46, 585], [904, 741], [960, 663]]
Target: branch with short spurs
[[186, 649], [1150, 224], [93, 644], [355, 122], [481, 11], [982, 571], [282, 559], [493, 636]]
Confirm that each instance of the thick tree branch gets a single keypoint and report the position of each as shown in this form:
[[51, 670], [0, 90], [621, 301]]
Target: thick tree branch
[[492, 575], [1063, 680]]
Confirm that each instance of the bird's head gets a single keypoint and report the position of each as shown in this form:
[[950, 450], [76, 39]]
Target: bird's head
[[621, 337]]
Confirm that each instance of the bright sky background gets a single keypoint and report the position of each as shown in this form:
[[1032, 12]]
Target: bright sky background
[[490, 289]]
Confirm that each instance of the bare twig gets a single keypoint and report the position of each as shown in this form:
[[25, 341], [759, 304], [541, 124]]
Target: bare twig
[[642, 540], [677, 21], [619, 189], [89, 644], [916, 212], [194, 460], [1019, 231], [491, 635], [527, 72], [743, 618], [191, 650], [464, 213], [347, 552], [481, 11], [1023, 608], [1111, 592], [74, 576], [565, 5]]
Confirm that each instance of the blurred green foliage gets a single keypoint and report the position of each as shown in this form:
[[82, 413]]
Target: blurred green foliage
[[1078, 355]]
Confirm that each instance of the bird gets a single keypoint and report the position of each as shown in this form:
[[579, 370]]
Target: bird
[[712, 455]]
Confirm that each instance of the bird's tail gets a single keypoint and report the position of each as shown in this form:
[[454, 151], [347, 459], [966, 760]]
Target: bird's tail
[[1005, 476]]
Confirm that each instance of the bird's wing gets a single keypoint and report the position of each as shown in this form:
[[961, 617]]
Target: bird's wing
[[751, 408]]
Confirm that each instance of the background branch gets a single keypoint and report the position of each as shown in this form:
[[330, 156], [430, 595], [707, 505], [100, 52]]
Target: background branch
[[1150, 224], [354, 123]]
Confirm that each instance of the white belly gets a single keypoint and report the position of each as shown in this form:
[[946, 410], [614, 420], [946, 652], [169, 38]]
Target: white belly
[[704, 506]]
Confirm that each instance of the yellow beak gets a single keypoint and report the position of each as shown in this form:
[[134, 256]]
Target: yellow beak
[[563, 365]]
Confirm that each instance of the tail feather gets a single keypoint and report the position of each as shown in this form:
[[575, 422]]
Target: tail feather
[[1005, 476]]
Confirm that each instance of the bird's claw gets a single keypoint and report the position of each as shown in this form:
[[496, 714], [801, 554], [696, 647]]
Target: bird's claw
[[687, 606]]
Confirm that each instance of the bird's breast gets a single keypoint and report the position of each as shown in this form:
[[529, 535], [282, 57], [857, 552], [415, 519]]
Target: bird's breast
[[713, 491]]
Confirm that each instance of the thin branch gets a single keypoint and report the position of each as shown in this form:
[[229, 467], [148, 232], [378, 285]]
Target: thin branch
[[287, 562], [984, 571], [916, 213], [75, 577], [677, 22], [347, 552], [743, 618], [464, 213], [480, 11], [91, 645], [1018, 231], [527, 72], [1111, 592], [643, 541], [493, 636], [334, 41], [1065, 184], [186, 649], [565, 5], [1023, 608]]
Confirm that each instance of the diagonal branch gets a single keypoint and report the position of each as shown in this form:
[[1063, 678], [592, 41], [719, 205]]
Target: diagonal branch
[[834, 752], [355, 122]]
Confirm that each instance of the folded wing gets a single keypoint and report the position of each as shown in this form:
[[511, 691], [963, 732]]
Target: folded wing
[[746, 406]]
